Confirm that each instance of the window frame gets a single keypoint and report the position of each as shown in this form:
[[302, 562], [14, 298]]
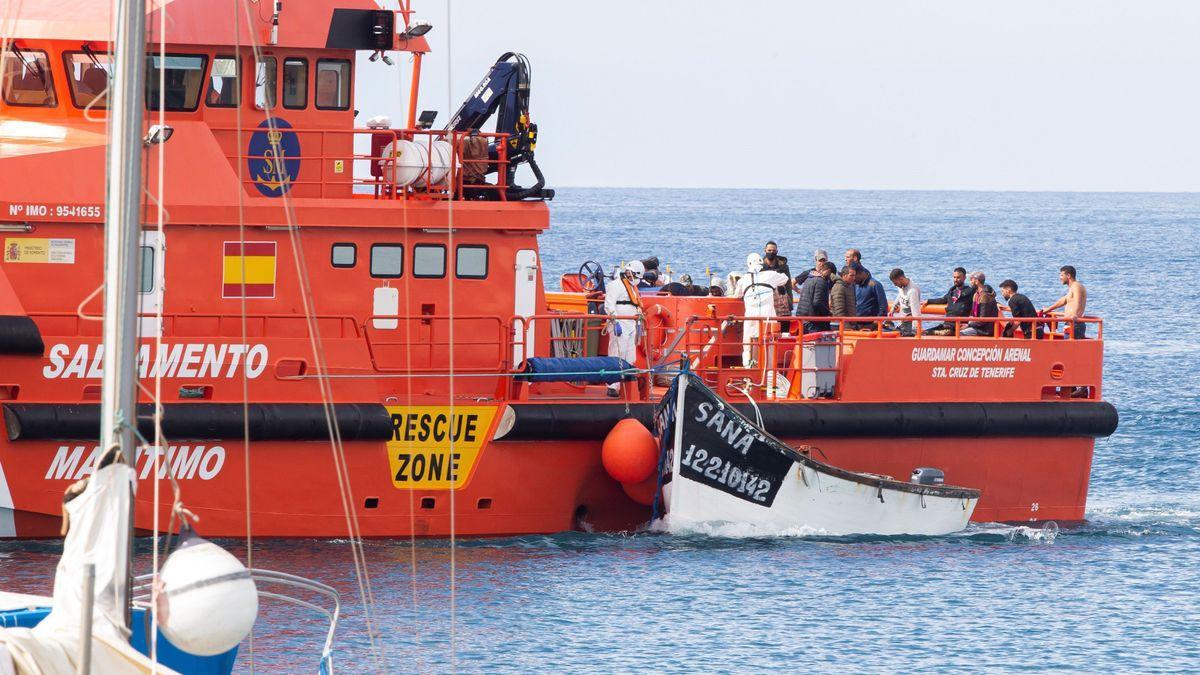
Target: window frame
[[203, 79], [414, 261], [487, 260], [349, 84], [238, 82], [282, 99], [67, 67], [353, 248], [371, 262], [49, 72], [144, 250], [274, 90]]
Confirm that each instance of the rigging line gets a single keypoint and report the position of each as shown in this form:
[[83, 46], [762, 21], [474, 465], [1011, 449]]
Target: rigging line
[[239, 94], [412, 500], [450, 292], [340, 468], [157, 288]]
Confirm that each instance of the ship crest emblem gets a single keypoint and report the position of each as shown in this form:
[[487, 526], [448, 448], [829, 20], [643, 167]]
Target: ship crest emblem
[[274, 157]]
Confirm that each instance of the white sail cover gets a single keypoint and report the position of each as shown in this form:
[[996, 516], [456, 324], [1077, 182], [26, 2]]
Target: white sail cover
[[98, 534]]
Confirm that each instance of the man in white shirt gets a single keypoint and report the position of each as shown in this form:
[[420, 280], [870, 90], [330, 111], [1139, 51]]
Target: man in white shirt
[[908, 300]]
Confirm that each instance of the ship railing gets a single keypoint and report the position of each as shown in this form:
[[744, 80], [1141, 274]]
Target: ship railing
[[432, 343], [320, 598], [577, 335], [367, 162], [779, 364]]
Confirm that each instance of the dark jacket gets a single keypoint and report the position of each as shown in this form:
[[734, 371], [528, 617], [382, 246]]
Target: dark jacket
[[1021, 308], [870, 299], [841, 298], [813, 297], [985, 309], [781, 265], [957, 300]]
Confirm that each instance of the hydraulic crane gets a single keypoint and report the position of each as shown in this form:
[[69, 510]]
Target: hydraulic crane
[[504, 92]]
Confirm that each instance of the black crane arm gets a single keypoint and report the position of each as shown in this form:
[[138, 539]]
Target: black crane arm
[[504, 92]]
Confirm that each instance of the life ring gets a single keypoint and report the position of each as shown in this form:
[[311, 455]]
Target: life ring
[[657, 320]]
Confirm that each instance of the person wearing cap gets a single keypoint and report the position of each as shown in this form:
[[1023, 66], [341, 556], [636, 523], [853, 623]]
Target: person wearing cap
[[623, 305], [819, 256], [813, 297], [983, 306], [715, 289]]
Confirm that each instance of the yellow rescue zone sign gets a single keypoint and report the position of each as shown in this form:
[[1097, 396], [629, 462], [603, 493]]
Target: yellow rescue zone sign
[[432, 448]]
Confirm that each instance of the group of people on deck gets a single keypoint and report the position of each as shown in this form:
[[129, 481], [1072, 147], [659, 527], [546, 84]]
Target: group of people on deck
[[768, 289]]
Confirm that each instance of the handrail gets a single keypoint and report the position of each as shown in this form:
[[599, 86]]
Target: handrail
[[450, 186], [142, 584]]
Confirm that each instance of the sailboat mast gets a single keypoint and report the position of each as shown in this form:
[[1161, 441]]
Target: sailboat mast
[[122, 230]]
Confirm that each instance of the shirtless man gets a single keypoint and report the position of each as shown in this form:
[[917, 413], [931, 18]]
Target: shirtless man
[[1074, 302]]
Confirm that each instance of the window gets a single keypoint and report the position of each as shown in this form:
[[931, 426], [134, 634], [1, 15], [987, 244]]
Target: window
[[224, 83], [429, 261], [26, 79], [264, 83], [295, 83], [333, 85], [471, 262], [88, 75], [387, 260], [343, 255], [182, 80], [147, 282]]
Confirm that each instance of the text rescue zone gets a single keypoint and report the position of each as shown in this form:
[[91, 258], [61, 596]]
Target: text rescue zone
[[433, 463]]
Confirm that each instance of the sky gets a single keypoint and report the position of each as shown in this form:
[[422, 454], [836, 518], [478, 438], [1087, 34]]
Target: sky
[[868, 94]]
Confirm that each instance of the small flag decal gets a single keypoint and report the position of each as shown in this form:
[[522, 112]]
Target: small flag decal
[[254, 259]]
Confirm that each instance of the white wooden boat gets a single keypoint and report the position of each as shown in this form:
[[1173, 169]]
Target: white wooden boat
[[723, 468]]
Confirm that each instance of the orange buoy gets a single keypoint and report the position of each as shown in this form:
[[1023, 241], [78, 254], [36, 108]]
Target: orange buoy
[[643, 492], [630, 452]]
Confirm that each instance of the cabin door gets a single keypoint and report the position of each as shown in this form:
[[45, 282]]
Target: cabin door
[[525, 302], [150, 284]]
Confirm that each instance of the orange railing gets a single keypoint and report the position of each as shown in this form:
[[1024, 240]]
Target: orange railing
[[342, 172], [429, 343]]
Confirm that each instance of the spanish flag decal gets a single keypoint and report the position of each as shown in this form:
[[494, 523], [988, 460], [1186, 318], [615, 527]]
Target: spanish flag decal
[[256, 261]]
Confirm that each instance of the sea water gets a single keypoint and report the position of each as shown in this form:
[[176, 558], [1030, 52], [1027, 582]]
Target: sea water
[[1120, 593]]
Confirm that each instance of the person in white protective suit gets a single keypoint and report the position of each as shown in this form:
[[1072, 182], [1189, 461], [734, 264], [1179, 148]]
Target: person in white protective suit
[[757, 288], [621, 299]]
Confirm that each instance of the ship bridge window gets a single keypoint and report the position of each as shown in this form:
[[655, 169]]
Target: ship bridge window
[[182, 79], [264, 82], [343, 255], [471, 261], [332, 85], [387, 260], [223, 83], [26, 78], [429, 261], [295, 83], [88, 74]]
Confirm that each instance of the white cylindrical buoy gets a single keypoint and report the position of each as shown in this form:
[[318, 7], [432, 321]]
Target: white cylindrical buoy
[[411, 161], [439, 164], [211, 599]]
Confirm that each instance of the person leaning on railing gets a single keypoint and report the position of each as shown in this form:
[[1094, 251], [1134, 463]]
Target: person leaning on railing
[[957, 301], [1020, 307]]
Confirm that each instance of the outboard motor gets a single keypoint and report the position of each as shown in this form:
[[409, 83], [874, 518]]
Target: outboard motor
[[924, 475]]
